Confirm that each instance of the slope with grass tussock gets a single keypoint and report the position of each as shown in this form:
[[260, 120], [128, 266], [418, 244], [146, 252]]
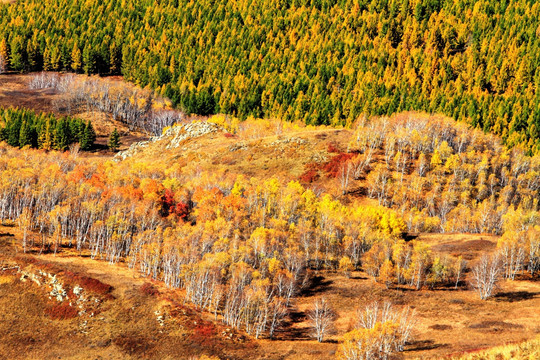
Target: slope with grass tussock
[[527, 350]]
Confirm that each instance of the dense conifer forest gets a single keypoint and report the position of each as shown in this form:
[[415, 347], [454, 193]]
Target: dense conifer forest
[[20, 128], [319, 61]]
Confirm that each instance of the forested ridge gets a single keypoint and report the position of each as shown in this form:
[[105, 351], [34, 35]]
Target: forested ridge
[[316, 61]]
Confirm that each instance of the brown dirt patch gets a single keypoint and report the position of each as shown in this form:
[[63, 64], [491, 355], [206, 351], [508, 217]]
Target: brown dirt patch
[[469, 246], [441, 327]]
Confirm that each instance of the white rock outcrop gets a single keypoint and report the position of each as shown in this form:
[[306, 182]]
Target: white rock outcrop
[[175, 136]]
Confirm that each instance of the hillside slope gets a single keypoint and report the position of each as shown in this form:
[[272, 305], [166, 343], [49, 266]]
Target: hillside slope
[[251, 222]]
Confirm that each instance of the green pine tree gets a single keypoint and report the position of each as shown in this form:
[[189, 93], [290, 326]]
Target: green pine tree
[[89, 60], [62, 137], [25, 135], [14, 132], [17, 54], [88, 137], [114, 140]]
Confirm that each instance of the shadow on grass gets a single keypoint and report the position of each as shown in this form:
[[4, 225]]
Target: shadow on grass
[[359, 278], [421, 345], [289, 332], [359, 192], [317, 284], [514, 296]]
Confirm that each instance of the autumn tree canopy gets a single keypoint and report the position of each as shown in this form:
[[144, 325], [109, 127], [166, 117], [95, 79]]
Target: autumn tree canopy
[[316, 61]]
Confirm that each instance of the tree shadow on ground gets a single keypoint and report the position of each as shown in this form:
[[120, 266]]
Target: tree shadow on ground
[[316, 285], [421, 345], [514, 296], [289, 332], [359, 192], [359, 278]]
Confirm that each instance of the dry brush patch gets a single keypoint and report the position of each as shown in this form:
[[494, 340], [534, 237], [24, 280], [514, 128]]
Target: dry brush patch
[[125, 327], [449, 321]]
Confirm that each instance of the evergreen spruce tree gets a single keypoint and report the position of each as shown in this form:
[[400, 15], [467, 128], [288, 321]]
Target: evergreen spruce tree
[[25, 135], [14, 132], [17, 54], [114, 140], [62, 137], [80, 132], [32, 49], [89, 60], [89, 137], [76, 127]]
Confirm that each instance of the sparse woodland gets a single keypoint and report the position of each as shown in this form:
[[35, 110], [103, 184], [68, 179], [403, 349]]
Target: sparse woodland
[[243, 249], [138, 109]]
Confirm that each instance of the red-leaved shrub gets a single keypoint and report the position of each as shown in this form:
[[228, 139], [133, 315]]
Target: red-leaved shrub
[[149, 289], [333, 167], [310, 176], [170, 206], [88, 284], [61, 311], [332, 148], [204, 334]]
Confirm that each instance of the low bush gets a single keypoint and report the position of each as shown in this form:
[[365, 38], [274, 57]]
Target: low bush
[[61, 311]]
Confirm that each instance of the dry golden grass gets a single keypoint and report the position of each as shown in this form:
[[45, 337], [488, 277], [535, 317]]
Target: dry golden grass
[[270, 155], [449, 321], [469, 246], [527, 350], [5, 280], [124, 326]]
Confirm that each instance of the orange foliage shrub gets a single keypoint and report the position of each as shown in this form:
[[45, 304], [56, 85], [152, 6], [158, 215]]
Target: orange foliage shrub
[[205, 335], [310, 176], [332, 148]]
